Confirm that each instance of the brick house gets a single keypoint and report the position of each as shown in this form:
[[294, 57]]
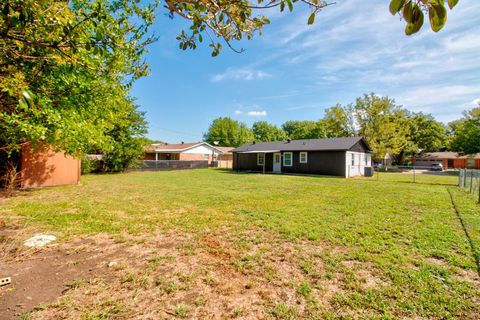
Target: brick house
[[449, 160], [183, 151]]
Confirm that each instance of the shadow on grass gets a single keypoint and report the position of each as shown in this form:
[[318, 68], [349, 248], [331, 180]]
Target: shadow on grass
[[306, 175], [475, 253]]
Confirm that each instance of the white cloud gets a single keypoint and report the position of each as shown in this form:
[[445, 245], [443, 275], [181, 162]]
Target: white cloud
[[476, 102], [237, 112], [446, 102], [240, 74], [262, 113]]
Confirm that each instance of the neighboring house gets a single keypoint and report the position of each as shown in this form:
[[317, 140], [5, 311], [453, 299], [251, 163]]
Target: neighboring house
[[345, 157], [449, 160], [182, 151], [387, 160], [43, 167]]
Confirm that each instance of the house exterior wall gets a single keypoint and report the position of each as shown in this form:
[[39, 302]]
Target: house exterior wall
[[203, 149], [318, 162], [196, 153], [149, 156], [361, 160], [248, 162], [329, 163], [42, 167], [463, 164], [194, 156], [457, 163]]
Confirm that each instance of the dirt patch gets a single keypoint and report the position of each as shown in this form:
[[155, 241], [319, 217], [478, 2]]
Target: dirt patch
[[163, 275], [44, 274]]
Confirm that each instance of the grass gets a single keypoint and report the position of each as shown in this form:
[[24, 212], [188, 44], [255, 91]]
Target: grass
[[380, 247]]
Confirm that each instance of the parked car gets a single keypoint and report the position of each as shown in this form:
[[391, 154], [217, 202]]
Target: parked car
[[437, 167]]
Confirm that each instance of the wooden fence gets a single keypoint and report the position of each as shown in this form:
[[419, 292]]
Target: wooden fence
[[222, 164]]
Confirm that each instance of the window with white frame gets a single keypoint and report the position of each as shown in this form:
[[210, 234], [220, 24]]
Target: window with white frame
[[353, 159], [287, 159], [303, 157], [260, 159], [470, 163], [205, 156]]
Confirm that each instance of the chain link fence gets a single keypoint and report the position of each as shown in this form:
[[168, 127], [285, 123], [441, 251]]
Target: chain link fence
[[416, 174], [469, 180]]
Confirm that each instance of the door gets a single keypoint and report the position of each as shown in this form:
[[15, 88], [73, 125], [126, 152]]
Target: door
[[277, 162]]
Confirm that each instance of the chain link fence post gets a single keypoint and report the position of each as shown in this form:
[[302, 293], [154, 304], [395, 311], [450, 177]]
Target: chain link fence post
[[477, 180], [471, 182]]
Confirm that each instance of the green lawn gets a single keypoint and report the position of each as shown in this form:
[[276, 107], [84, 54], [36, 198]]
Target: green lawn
[[364, 248]]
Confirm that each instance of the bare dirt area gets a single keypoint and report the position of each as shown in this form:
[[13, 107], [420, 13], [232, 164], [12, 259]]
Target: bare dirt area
[[41, 275], [166, 275]]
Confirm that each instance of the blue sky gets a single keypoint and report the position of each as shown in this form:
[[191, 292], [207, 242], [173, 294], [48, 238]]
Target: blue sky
[[294, 71]]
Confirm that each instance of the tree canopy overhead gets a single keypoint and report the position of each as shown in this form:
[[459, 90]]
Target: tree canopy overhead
[[466, 132], [229, 20], [66, 68]]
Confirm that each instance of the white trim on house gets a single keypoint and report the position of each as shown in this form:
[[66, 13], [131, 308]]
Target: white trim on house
[[355, 163], [268, 151], [291, 159], [277, 166], [304, 153], [180, 150], [262, 157]]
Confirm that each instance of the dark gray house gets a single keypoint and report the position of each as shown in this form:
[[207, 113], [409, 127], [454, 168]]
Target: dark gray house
[[345, 157]]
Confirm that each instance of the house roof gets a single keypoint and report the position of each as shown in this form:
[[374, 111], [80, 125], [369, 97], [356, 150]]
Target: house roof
[[445, 155], [178, 147], [225, 149], [331, 144]]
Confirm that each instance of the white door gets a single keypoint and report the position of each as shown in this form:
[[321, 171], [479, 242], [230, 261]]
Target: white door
[[277, 162]]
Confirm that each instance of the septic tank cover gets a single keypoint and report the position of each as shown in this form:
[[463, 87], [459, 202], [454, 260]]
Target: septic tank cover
[[39, 240]]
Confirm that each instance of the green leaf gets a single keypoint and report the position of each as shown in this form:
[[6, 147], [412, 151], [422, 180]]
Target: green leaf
[[311, 19], [452, 3], [438, 17], [417, 22], [396, 6], [408, 12], [290, 5]]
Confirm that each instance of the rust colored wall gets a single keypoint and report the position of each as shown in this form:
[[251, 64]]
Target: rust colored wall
[[194, 156], [462, 164], [42, 167], [149, 156]]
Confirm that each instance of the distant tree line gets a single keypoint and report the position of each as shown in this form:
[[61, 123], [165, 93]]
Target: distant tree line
[[386, 126]]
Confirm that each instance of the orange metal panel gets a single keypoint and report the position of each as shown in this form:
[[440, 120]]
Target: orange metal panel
[[42, 167]]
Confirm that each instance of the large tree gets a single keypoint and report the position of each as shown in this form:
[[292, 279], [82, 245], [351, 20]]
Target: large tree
[[337, 122], [228, 133], [263, 131], [426, 133], [382, 123], [303, 129], [466, 132], [66, 68]]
